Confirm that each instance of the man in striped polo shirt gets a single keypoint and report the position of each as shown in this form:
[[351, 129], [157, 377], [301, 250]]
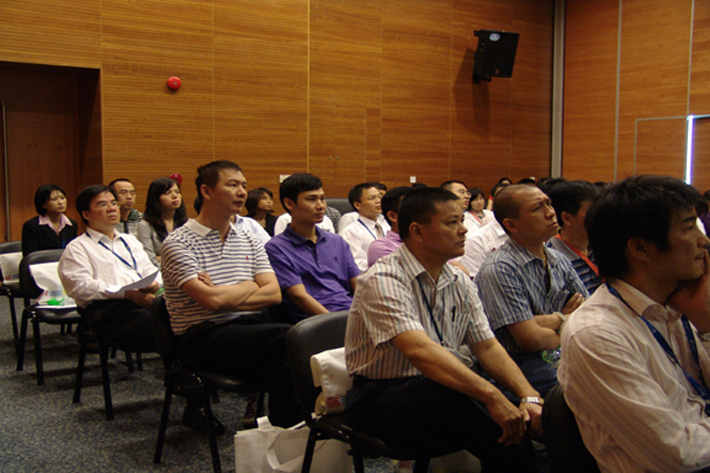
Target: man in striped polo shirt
[[217, 281], [411, 314]]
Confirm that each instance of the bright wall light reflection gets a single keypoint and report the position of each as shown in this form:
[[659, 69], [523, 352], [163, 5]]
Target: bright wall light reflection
[[689, 149]]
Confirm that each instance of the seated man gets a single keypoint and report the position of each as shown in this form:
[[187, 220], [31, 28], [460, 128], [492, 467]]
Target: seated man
[[633, 370], [95, 265], [410, 315], [365, 198], [129, 217], [460, 190], [480, 244], [390, 206], [571, 200], [241, 223], [315, 268], [217, 281], [351, 217], [526, 288], [284, 220]]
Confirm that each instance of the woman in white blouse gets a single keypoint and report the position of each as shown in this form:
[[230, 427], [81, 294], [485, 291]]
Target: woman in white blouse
[[164, 212]]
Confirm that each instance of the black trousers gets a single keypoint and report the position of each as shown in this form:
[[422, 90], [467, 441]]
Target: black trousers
[[122, 324], [422, 413], [253, 350]]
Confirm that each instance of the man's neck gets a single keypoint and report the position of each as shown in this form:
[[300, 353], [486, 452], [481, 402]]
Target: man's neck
[[106, 230], [579, 242], [658, 291], [215, 221], [125, 213], [307, 231], [432, 264], [535, 247], [368, 218]]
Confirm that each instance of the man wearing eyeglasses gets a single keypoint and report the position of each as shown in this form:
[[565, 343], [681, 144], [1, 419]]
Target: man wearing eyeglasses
[[368, 227], [126, 195]]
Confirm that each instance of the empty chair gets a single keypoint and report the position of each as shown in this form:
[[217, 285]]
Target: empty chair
[[565, 449], [10, 289]]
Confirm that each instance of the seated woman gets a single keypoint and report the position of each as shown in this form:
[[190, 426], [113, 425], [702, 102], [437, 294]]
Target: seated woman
[[259, 206], [476, 216], [164, 212], [51, 229]]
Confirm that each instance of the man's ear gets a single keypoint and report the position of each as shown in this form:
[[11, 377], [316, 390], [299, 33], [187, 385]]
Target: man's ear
[[357, 206], [510, 225], [566, 218], [205, 191], [289, 204], [85, 214], [639, 249], [392, 216], [415, 232]]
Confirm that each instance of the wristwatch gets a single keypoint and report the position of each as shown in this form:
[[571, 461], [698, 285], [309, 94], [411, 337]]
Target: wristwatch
[[532, 400]]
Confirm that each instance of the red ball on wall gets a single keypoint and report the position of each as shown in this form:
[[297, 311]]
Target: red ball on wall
[[174, 83]]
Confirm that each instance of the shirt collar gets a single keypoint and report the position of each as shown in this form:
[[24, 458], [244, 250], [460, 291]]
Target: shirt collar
[[413, 268], [297, 239], [202, 230], [98, 236], [63, 221], [367, 221], [644, 305]]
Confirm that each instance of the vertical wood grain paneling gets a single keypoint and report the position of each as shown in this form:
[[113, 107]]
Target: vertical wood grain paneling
[[660, 147], [590, 89], [150, 131], [261, 77], [61, 33]]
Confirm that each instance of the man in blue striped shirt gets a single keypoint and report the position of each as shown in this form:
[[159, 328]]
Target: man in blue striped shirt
[[217, 281], [411, 314], [527, 290]]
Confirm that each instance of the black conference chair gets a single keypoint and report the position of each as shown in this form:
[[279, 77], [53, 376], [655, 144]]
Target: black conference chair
[[324, 332], [565, 449], [179, 380], [10, 288], [340, 203], [28, 291]]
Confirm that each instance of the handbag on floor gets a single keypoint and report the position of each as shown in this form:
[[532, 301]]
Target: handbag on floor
[[270, 449]]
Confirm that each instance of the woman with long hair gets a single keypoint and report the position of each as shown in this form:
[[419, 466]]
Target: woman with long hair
[[259, 206], [50, 229], [164, 212]]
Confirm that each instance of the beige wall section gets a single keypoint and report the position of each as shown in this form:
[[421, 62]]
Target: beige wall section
[[353, 91], [663, 53]]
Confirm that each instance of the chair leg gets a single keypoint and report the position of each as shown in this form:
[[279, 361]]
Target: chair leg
[[139, 361], [80, 368], [103, 354], [163, 421], [13, 319], [310, 448], [357, 462], [260, 404], [38, 352], [129, 362], [216, 464], [22, 341], [113, 352], [62, 329], [421, 465]]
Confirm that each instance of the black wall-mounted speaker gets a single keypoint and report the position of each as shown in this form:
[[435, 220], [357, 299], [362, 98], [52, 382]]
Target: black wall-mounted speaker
[[495, 54]]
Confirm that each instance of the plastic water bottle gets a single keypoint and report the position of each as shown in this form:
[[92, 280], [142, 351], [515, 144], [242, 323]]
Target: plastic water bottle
[[552, 355]]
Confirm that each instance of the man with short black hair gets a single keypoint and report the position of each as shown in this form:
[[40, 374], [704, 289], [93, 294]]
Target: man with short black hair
[[97, 264], [527, 290], [390, 207], [411, 314], [125, 192], [218, 280], [633, 369], [571, 200], [365, 198], [315, 268]]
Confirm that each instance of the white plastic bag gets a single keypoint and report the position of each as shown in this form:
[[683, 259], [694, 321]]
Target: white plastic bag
[[270, 449], [47, 278]]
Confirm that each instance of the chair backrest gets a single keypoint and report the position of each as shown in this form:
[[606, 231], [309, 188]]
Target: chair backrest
[[565, 449], [164, 336], [28, 288], [340, 203], [10, 247], [308, 337]]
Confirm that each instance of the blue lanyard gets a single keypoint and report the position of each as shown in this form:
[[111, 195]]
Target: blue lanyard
[[135, 265], [701, 389], [367, 228], [431, 314]]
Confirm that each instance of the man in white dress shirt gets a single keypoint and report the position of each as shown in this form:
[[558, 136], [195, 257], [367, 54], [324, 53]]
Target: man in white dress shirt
[[95, 265], [365, 198], [633, 369]]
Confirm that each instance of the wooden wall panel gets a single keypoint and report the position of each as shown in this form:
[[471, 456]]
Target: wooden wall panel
[[700, 72], [660, 147], [61, 33], [150, 131], [261, 77], [590, 89], [701, 154]]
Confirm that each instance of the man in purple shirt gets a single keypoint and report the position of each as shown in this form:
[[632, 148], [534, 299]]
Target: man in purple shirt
[[390, 208], [315, 268]]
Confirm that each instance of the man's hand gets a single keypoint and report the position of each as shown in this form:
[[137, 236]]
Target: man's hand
[[533, 413], [205, 278], [139, 297], [693, 298], [573, 303], [152, 289], [511, 420]]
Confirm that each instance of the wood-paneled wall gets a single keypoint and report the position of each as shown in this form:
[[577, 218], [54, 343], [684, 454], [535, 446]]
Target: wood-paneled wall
[[352, 91], [631, 66]]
